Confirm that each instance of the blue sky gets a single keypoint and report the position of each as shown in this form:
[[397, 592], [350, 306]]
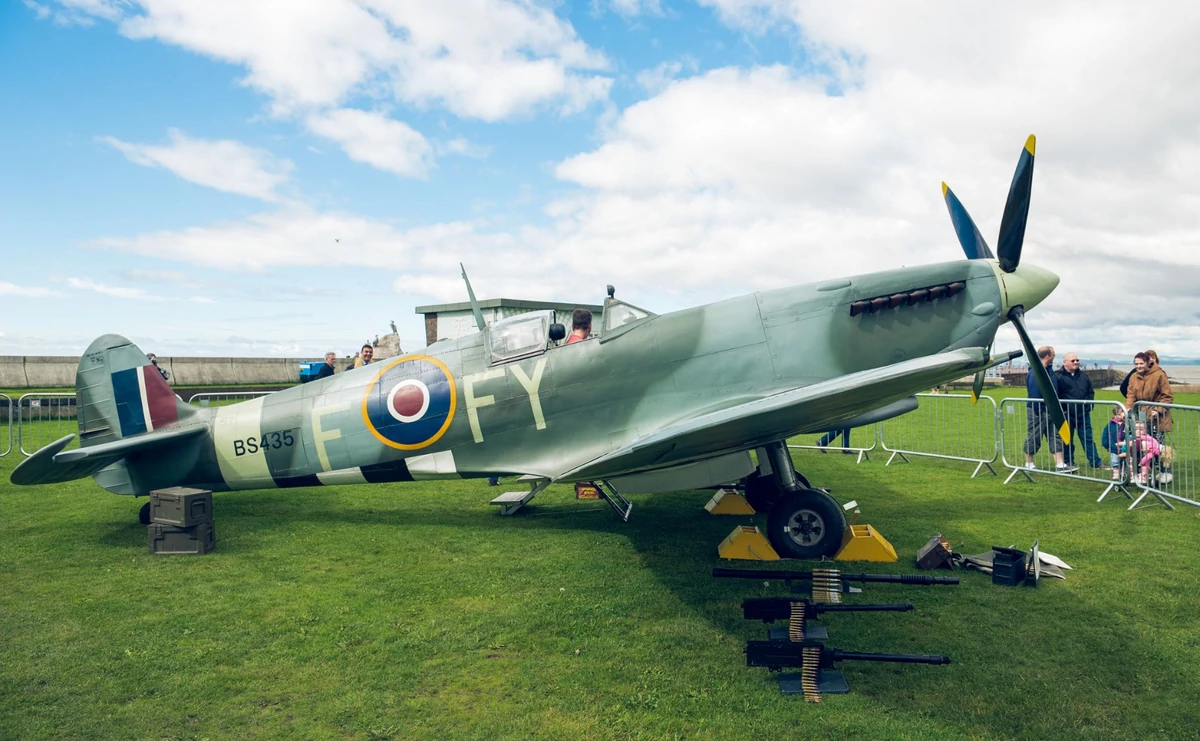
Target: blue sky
[[179, 173]]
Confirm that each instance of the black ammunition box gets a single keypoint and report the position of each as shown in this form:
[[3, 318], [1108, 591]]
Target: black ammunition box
[[1008, 566], [196, 540], [181, 506]]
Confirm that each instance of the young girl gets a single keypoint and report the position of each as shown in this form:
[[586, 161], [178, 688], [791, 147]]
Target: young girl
[[1149, 448], [1113, 439]]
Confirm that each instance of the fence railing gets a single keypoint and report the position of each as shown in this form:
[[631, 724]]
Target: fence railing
[[44, 418], [224, 398], [1170, 470], [859, 441], [944, 426], [1018, 433], [6, 431]]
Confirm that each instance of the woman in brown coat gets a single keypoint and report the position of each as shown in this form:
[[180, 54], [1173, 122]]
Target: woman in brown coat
[[1149, 383]]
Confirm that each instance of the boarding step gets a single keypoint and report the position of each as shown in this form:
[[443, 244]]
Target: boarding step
[[620, 504], [511, 501]]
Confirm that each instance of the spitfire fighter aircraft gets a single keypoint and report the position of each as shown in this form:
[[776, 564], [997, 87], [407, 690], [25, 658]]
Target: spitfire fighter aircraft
[[654, 403]]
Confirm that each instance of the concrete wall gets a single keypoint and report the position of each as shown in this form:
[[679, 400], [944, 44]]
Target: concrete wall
[[54, 371], [27, 371]]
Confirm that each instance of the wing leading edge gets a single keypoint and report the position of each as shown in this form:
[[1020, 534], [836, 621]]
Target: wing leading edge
[[813, 408]]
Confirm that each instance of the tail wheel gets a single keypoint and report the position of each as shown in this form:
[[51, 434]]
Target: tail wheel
[[806, 524], [144, 514]]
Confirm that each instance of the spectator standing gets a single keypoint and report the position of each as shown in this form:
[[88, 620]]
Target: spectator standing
[[1149, 383], [1074, 385], [829, 437], [161, 371], [364, 356], [1037, 421], [327, 369], [1113, 440]]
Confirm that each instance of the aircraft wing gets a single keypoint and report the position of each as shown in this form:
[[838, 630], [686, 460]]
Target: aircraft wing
[[814, 408]]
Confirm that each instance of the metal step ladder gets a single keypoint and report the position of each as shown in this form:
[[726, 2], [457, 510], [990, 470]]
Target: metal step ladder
[[620, 504], [511, 501]]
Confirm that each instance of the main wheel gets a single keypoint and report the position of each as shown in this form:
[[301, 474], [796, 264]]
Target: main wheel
[[144, 514], [764, 492], [806, 524]]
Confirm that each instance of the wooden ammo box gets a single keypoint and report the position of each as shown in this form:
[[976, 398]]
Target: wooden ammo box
[[197, 539], [181, 506]]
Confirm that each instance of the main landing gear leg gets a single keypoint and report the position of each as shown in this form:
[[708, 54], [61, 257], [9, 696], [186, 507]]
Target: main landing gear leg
[[802, 522]]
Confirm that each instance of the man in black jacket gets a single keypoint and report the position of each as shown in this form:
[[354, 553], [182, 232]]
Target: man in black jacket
[[1074, 385], [327, 369]]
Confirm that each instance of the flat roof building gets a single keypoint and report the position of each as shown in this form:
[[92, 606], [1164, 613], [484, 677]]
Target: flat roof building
[[450, 321]]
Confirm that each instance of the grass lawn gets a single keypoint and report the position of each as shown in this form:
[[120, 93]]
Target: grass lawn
[[414, 611]]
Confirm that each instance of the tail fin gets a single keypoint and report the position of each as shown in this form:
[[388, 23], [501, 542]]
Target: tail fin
[[125, 407], [120, 394]]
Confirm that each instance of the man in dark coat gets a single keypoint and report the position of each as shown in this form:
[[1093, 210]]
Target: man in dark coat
[[1074, 385], [327, 369]]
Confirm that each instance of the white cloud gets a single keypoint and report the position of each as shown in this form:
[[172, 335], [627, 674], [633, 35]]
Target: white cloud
[[464, 148], [656, 79], [375, 139], [834, 169], [11, 289], [488, 59], [222, 164], [631, 8], [299, 237], [85, 284]]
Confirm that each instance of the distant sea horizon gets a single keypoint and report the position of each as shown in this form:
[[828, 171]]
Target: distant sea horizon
[[1179, 370]]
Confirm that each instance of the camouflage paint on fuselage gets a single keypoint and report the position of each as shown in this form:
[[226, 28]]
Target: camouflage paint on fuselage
[[455, 413]]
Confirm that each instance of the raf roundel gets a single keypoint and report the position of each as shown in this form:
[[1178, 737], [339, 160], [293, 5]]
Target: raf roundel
[[411, 403]]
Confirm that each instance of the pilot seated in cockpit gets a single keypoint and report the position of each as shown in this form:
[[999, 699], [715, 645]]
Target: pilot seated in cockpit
[[581, 326]]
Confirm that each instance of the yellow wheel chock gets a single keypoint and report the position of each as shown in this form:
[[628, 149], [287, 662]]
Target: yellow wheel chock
[[728, 502], [864, 543], [747, 543]]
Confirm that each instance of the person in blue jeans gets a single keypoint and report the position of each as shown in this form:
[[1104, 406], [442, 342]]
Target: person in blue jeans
[[828, 438]]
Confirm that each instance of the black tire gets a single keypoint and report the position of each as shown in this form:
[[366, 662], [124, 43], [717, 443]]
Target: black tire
[[806, 524], [144, 514], [764, 492]]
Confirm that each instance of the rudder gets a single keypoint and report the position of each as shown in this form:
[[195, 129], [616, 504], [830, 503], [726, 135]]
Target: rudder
[[120, 394]]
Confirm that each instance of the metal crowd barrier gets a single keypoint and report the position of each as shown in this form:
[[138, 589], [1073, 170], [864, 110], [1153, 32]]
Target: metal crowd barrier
[[7, 405], [862, 441], [1174, 473], [946, 426], [1029, 444], [44, 418], [225, 398]]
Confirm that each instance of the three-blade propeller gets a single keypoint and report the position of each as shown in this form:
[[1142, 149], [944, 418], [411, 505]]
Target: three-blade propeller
[[1008, 252]]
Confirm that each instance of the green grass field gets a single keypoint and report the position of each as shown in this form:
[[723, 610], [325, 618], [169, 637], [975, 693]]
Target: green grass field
[[415, 611]]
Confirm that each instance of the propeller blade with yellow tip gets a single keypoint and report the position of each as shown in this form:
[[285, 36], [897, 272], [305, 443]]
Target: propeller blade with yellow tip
[[1040, 376], [977, 388], [1016, 210], [972, 241]]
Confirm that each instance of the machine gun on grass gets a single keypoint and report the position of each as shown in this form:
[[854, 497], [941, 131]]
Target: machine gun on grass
[[815, 662], [828, 585], [799, 612]]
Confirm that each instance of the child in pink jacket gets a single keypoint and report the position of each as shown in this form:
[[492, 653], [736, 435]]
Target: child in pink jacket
[[1148, 447]]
